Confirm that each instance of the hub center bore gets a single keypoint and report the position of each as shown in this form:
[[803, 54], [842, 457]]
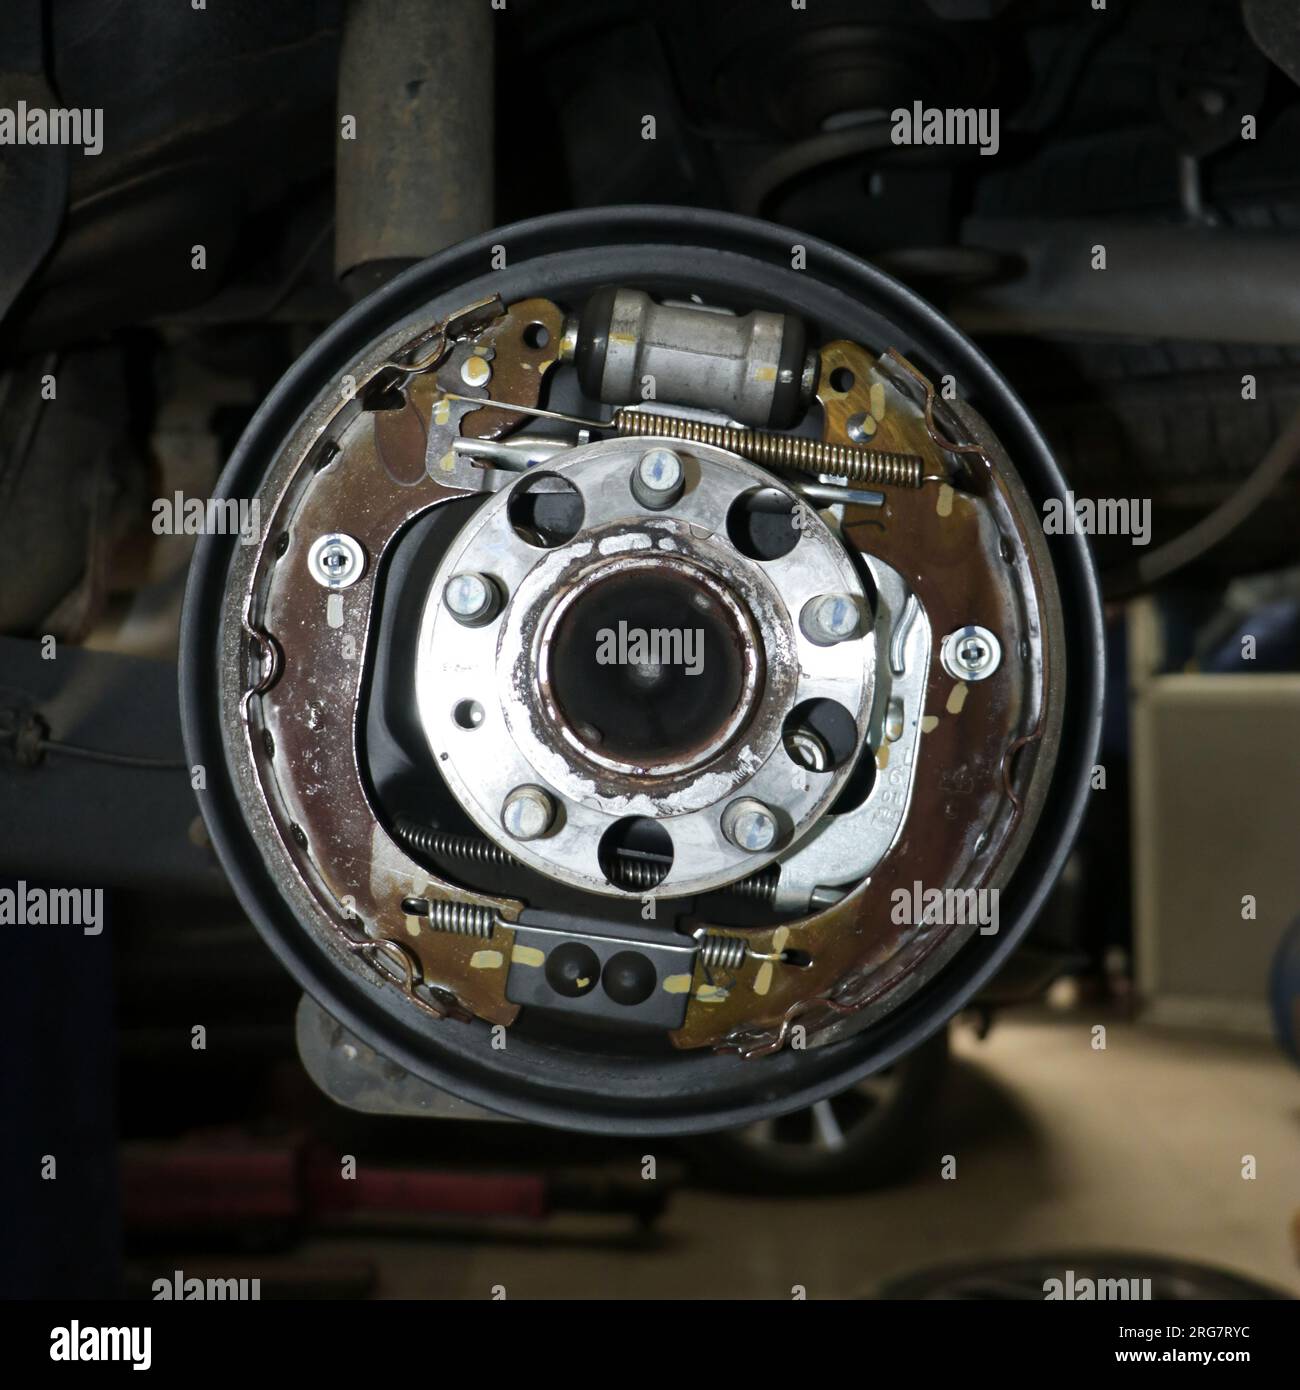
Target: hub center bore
[[651, 665]]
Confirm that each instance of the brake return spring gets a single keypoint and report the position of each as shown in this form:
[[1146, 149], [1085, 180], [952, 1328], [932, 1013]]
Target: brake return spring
[[454, 918], [719, 951], [781, 450], [635, 875]]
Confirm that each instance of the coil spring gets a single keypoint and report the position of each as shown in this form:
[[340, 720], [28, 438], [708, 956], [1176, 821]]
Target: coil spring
[[469, 849], [719, 952], [633, 874], [759, 887], [461, 919], [636, 875], [781, 450]]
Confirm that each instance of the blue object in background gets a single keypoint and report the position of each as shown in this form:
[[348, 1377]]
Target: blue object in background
[[1284, 991], [1275, 626]]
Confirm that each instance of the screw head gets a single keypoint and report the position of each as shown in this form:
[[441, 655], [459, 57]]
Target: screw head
[[471, 598], [971, 653], [528, 813], [831, 618], [750, 825], [336, 561], [658, 479]]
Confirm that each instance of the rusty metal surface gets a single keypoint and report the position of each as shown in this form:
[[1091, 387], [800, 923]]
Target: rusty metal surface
[[964, 546], [523, 357], [949, 544], [307, 673], [310, 768], [629, 776], [416, 173]]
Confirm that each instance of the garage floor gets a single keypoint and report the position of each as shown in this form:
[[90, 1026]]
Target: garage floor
[[1058, 1147]]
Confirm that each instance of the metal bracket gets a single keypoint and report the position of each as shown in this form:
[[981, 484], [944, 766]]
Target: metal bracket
[[354, 1075]]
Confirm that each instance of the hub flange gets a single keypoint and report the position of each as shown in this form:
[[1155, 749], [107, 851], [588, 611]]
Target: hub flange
[[535, 670]]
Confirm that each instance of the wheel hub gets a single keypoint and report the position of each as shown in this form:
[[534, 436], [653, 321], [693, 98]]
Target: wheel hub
[[644, 667]]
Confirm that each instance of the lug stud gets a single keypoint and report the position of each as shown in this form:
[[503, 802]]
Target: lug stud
[[831, 618], [750, 825], [658, 479], [528, 813], [471, 598]]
